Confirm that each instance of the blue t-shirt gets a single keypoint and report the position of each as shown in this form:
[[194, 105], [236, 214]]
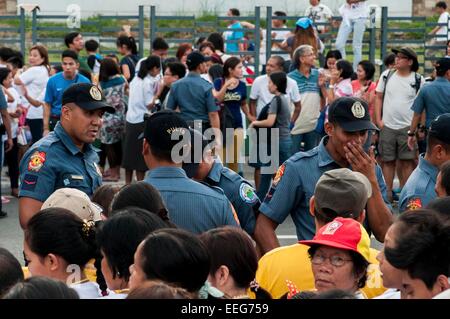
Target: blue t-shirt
[[233, 99], [55, 88], [234, 35]]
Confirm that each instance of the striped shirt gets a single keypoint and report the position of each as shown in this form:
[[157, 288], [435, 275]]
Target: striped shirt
[[310, 98]]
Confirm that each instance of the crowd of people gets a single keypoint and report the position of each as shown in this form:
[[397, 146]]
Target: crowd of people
[[326, 141]]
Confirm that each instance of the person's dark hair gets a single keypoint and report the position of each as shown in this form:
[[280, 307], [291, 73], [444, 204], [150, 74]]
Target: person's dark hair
[[128, 42], [120, 235], [108, 68], [334, 294], [327, 215], [280, 14], [16, 60], [215, 71], [4, 72], [59, 231], [156, 289], [301, 295], [177, 257], [69, 54], [433, 141], [369, 68], [10, 271], [235, 12], [148, 64], [441, 206], [68, 38], [6, 53], [91, 45], [182, 49], [206, 44], [113, 57], [43, 52], [159, 44], [57, 67], [422, 246], [279, 60], [177, 68], [199, 41], [217, 40], [41, 288], [336, 54], [441, 4], [389, 59], [280, 81], [104, 195], [233, 248], [230, 63], [346, 68], [142, 195], [360, 264], [445, 178]]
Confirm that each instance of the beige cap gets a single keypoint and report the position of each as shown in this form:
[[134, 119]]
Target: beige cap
[[343, 191], [76, 201]]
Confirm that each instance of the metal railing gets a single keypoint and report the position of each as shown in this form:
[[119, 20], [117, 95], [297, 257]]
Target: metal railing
[[379, 37]]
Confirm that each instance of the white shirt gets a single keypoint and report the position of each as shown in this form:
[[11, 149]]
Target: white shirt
[[35, 80], [353, 11], [141, 94], [444, 30], [400, 95], [260, 92], [389, 294], [87, 290], [12, 107], [319, 14], [282, 35]]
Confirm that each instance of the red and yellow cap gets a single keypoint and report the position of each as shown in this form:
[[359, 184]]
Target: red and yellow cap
[[343, 233]]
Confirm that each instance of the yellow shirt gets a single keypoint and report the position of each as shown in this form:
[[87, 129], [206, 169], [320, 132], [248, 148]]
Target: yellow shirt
[[293, 263]]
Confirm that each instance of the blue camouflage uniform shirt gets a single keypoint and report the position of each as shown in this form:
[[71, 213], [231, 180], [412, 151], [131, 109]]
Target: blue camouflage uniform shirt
[[419, 189], [192, 206], [294, 185], [240, 193], [55, 162]]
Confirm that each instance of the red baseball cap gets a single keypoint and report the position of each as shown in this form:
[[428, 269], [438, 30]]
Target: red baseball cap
[[343, 233]]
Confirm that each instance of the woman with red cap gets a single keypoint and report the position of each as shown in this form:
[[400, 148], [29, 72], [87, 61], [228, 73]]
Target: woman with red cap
[[339, 256]]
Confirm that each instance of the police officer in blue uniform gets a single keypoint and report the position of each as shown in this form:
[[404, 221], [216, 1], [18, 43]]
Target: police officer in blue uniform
[[204, 167], [419, 190], [65, 157], [192, 206], [294, 183]]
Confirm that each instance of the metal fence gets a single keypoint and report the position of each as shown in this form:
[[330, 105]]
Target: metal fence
[[379, 38]]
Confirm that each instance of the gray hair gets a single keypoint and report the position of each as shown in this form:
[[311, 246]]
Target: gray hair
[[299, 52]]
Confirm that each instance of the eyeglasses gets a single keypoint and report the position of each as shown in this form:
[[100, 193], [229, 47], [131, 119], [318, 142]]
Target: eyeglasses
[[335, 260]]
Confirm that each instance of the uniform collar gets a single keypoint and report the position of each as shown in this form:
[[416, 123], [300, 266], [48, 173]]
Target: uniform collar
[[428, 168], [193, 74], [215, 172], [441, 79], [324, 157], [68, 142], [167, 172]]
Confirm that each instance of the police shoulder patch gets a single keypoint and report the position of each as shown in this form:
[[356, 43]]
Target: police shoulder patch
[[279, 175], [36, 162], [414, 203], [247, 193], [29, 182]]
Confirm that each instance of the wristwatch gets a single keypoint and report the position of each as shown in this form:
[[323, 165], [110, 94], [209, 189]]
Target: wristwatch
[[411, 133]]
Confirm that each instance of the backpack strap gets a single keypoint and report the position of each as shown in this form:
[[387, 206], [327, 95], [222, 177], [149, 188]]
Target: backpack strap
[[386, 79]]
